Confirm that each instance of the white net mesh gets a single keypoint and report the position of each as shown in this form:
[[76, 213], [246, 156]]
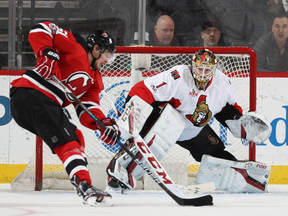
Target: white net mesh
[[118, 78]]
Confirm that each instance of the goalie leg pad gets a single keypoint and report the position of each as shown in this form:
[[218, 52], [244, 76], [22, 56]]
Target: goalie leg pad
[[234, 176], [134, 117], [122, 165], [160, 139]]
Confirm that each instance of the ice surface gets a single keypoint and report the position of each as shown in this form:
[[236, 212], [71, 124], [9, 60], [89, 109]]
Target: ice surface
[[137, 203]]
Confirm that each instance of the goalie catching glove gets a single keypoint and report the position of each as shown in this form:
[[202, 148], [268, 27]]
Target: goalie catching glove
[[251, 126], [111, 134], [47, 62]]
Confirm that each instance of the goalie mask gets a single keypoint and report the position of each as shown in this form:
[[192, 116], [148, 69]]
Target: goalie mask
[[104, 41], [204, 64]]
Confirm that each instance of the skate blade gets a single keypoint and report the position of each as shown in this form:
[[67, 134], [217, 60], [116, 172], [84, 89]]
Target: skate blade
[[106, 202]]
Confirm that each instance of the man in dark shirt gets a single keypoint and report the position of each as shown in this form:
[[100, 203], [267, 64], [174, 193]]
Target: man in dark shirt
[[272, 48], [163, 34]]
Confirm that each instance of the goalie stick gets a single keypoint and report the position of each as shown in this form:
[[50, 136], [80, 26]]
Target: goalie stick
[[195, 201]]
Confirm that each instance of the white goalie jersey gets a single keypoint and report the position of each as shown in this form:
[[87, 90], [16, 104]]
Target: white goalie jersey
[[177, 87]]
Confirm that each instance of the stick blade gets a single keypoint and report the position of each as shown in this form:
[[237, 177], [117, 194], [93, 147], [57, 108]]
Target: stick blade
[[194, 201], [197, 201]]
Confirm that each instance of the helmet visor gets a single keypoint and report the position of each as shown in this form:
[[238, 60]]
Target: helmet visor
[[108, 56]]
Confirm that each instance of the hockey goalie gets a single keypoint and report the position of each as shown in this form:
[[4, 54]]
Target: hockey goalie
[[174, 108]]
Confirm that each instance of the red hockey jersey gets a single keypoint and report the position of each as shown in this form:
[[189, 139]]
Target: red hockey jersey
[[74, 71]]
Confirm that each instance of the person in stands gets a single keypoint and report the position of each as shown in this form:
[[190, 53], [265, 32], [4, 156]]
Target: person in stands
[[163, 34], [211, 33], [272, 48]]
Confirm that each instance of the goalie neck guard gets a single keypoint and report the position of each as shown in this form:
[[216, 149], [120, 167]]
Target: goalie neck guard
[[204, 64]]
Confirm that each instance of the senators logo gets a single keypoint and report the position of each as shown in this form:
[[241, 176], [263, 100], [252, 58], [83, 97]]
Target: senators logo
[[214, 140], [202, 114]]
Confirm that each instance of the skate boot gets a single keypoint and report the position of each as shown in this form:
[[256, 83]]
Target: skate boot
[[113, 185], [91, 195]]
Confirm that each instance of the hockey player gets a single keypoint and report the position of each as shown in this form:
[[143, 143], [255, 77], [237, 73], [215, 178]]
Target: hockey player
[[198, 92], [37, 100]]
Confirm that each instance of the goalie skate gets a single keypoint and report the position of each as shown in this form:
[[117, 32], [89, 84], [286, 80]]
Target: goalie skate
[[91, 195], [113, 185]]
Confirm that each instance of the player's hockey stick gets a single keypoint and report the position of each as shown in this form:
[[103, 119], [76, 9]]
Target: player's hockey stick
[[195, 201]]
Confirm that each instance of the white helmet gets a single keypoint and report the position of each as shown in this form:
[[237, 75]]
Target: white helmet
[[204, 64]]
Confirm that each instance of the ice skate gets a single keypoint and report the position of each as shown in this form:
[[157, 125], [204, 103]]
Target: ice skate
[[115, 186], [91, 195]]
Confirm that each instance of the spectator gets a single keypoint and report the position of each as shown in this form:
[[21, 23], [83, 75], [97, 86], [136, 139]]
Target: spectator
[[285, 5], [163, 34], [272, 48], [211, 33]]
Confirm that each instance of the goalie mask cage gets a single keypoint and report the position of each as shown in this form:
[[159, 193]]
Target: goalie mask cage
[[132, 64]]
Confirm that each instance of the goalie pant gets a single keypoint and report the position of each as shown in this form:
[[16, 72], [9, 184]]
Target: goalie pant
[[160, 139]]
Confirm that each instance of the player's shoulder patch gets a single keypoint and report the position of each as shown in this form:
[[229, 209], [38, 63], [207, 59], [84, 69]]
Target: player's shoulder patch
[[175, 74]]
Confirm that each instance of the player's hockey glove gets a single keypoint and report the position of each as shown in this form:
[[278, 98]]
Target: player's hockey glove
[[47, 62], [111, 134]]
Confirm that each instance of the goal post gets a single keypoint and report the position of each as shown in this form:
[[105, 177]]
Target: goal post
[[131, 65]]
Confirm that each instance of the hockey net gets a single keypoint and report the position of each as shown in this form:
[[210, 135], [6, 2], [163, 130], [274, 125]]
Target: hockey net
[[131, 65]]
